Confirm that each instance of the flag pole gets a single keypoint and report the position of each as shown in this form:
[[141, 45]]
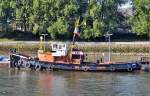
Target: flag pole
[[73, 39], [76, 25]]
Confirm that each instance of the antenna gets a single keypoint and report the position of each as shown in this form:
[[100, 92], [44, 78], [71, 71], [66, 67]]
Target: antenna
[[109, 44], [43, 38]]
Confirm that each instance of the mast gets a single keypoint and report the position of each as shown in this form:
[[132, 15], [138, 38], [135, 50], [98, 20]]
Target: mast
[[76, 30], [108, 35], [44, 38]]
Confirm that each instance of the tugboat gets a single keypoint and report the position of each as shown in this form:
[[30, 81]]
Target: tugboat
[[67, 57]]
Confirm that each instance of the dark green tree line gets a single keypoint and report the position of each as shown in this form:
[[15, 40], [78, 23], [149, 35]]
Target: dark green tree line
[[140, 22], [57, 17]]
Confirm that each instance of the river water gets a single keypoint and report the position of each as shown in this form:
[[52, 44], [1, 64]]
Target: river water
[[66, 83]]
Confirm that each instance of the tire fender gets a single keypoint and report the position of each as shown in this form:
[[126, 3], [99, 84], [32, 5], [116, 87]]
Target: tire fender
[[19, 62], [38, 67], [112, 68], [24, 62], [28, 65], [129, 68], [85, 68], [50, 67]]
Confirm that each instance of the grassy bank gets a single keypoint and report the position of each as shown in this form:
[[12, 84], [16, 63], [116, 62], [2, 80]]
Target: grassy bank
[[87, 47], [6, 39], [117, 49]]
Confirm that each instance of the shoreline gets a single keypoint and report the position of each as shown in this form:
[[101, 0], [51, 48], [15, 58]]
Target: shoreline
[[122, 54], [88, 43], [117, 48]]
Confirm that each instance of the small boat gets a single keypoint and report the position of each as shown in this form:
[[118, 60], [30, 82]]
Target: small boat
[[1, 58], [4, 59]]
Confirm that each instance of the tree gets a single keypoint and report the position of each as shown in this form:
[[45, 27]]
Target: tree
[[104, 15], [140, 22], [58, 28], [57, 17], [65, 10], [6, 12], [23, 13]]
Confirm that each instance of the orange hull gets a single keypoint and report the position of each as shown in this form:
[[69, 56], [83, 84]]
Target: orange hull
[[49, 58], [46, 57]]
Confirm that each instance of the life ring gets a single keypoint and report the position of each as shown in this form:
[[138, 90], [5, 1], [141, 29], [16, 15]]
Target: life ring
[[38, 67], [112, 69]]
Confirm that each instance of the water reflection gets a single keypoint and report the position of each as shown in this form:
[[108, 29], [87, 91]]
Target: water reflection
[[65, 83], [45, 83]]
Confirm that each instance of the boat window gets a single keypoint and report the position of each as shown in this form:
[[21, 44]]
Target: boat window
[[60, 47], [55, 46], [64, 46], [76, 56]]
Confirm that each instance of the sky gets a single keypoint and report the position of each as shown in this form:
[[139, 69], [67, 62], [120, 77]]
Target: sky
[[128, 4]]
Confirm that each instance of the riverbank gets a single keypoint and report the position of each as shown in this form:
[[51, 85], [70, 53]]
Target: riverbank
[[116, 47]]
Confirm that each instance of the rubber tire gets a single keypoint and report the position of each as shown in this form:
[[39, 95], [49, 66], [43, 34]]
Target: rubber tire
[[38, 67], [49, 68], [19, 62], [27, 65], [130, 69], [85, 69], [112, 69]]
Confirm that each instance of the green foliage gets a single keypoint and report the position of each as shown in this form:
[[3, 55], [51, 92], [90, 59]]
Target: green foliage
[[140, 22], [104, 16], [58, 28], [57, 17]]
